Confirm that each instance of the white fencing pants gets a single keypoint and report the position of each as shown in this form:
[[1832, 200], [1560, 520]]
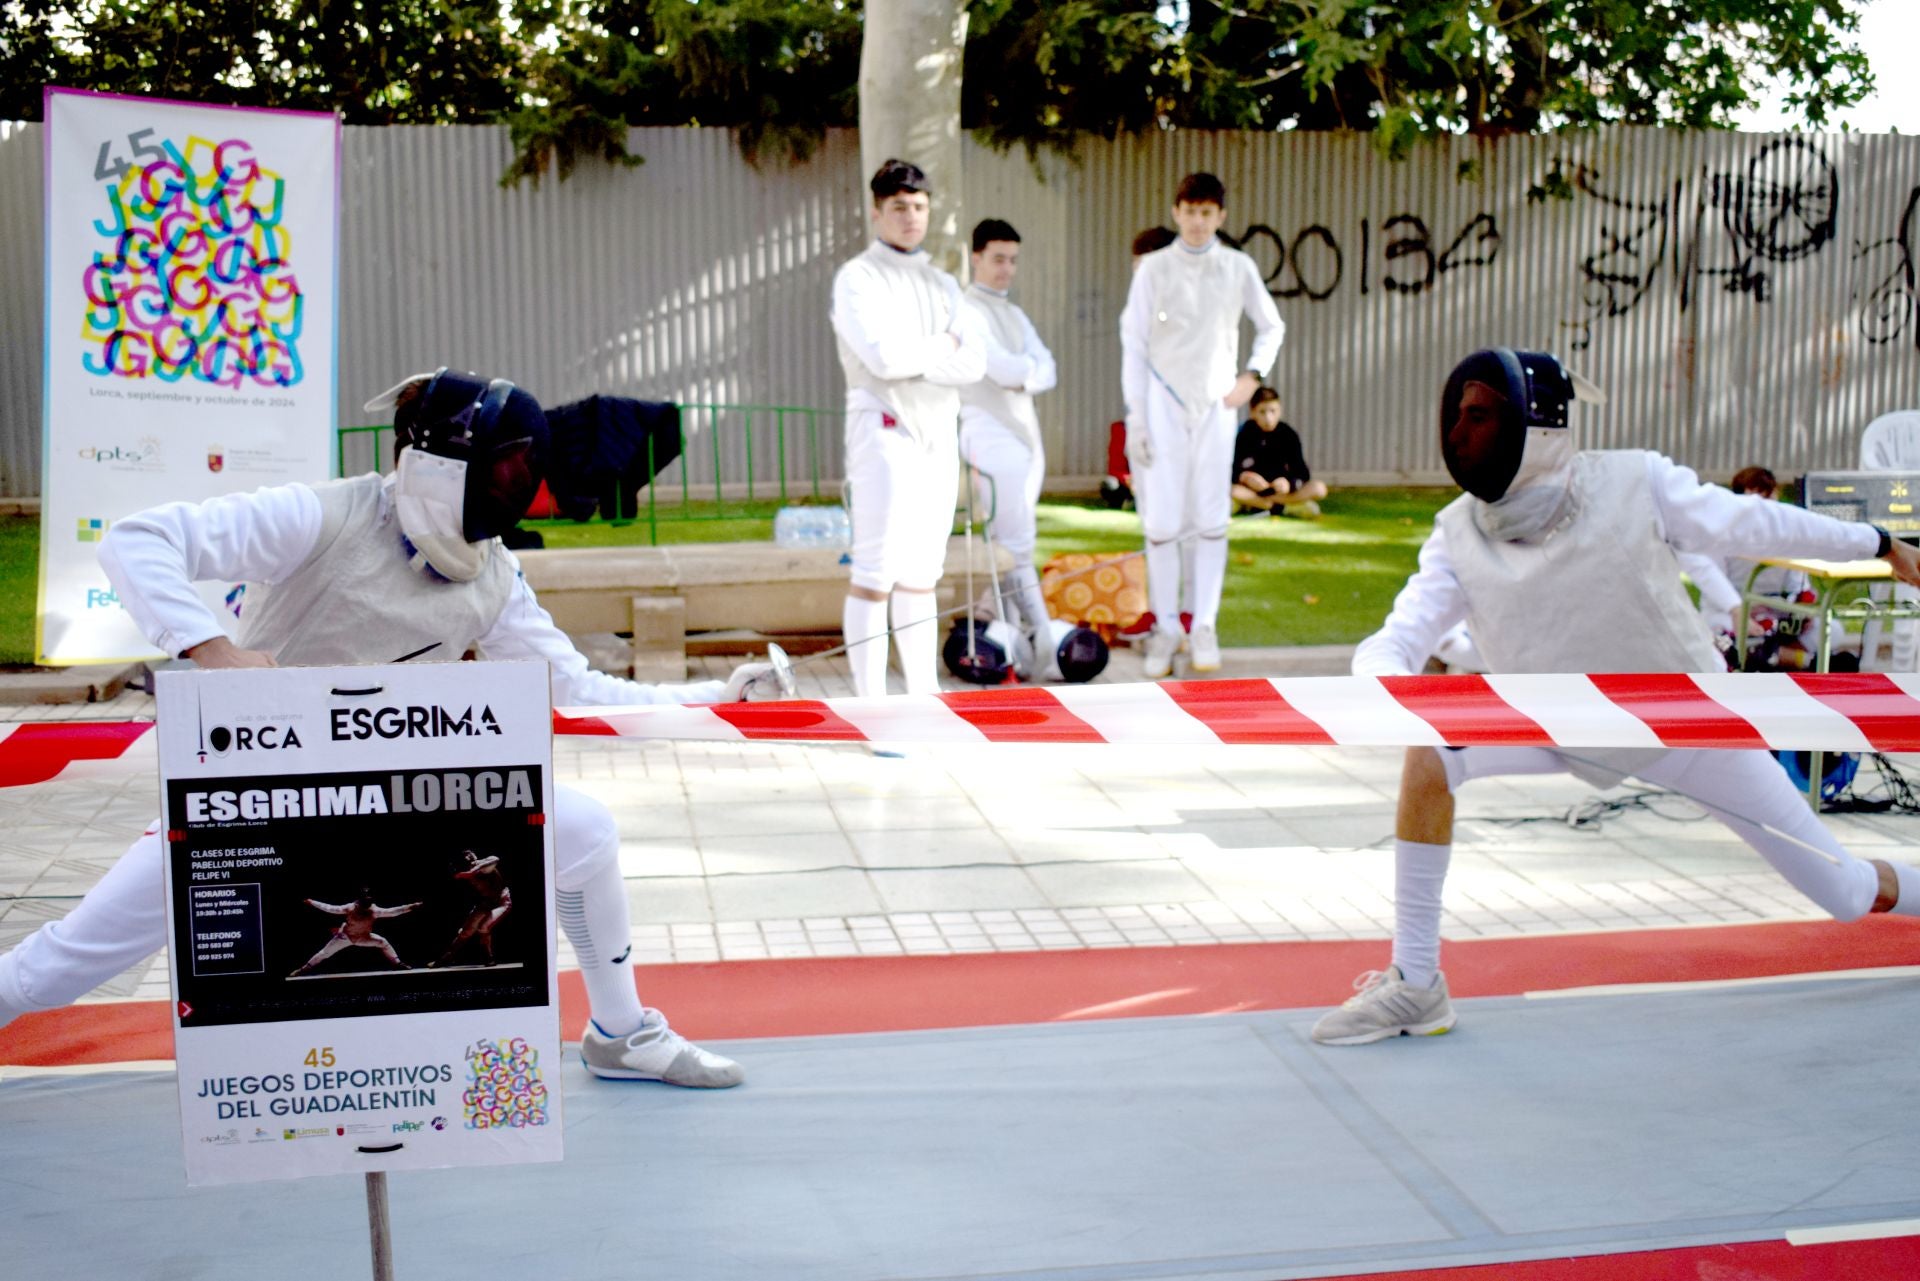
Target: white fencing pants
[[902, 503], [1747, 791], [1188, 496], [1007, 479], [122, 920]]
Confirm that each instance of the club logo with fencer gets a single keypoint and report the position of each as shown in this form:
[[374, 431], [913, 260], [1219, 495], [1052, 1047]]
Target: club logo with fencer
[[504, 1088], [224, 740]]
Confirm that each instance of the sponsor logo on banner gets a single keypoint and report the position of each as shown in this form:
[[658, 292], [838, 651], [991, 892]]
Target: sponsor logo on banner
[[408, 1127], [226, 1139], [92, 529], [320, 1132], [216, 458], [142, 455], [98, 599]]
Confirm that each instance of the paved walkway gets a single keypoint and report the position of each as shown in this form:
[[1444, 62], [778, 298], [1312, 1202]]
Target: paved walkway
[[746, 851]]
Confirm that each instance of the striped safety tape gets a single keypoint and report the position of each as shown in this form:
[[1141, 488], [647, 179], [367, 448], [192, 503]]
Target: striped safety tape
[[1853, 712]]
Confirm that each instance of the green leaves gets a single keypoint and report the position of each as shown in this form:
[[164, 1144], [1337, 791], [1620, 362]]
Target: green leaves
[[570, 77]]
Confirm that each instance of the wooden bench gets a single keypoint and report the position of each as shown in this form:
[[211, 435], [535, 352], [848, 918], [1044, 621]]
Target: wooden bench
[[736, 595]]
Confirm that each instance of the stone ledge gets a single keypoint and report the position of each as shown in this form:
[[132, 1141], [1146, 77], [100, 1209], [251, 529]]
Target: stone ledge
[[93, 683]]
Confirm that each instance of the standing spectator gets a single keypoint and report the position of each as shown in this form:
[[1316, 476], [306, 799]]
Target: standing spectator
[[999, 431], [1179, 338], [906, 345], [1269, 470]]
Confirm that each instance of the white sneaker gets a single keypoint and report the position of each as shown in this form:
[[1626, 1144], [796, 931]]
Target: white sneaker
[[1203, 649], [1384, 1004], [657, 1053], [1161, 647]]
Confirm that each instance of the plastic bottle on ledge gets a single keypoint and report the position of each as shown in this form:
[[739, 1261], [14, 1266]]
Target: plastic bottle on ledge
[[786, 527]]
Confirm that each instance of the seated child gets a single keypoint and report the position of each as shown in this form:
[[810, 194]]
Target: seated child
[[1269, 471]]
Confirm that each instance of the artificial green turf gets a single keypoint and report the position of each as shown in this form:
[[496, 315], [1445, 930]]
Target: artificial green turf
[[1289, 582]]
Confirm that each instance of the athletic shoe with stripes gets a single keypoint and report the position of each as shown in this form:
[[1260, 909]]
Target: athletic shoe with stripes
[[656, 1053], [1384, 1004]]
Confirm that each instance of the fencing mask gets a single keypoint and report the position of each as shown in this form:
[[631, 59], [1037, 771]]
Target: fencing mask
[[1504, 437], [1078, 652], [985, 653], [471, 455]]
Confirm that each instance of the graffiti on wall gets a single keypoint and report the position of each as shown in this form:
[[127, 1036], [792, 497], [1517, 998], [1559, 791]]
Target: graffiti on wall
[[195, 279], [1884, 290], [1401, 254]]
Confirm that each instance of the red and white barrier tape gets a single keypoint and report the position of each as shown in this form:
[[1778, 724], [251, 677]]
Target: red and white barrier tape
[[1865, 711]]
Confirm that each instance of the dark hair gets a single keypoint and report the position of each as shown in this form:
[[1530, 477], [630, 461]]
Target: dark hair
[[1201, 189], [896, 176], [1261, 395], [1748, 479], [991, 229], [1153, 238]]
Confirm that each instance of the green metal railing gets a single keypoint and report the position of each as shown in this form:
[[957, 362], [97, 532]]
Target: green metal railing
[[730, 435]]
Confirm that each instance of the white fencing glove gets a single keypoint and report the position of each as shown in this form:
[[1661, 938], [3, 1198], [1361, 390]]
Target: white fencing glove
[[750, 681], [1139, 443]]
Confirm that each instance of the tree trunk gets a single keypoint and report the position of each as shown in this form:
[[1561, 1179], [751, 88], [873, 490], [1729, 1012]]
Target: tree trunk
[[910, 54]]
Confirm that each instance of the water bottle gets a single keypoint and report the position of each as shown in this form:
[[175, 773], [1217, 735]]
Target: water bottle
[[786, 527], [839, 528]]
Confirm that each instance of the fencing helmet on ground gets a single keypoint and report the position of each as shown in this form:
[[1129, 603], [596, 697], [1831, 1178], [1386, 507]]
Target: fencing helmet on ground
[[1078, 652], [471, 453], [985, 653]]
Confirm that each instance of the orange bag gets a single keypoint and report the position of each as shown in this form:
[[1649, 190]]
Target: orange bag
[[1103, 592]]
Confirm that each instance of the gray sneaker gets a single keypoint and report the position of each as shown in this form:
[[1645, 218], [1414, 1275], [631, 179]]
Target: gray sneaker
[[656, 1053], [1162, 645], [1384, 1004]]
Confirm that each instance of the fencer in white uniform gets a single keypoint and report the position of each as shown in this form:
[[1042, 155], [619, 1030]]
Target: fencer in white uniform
[[906, 346], [1564, 561], [1182, 379], [999, 430], [365, 570]]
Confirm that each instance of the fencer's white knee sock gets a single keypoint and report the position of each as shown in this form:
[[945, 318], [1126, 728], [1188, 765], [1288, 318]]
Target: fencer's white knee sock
[[864, 624], [1163, 583], [917, 639], [1189, 594], [1023, 585], [595, 920], [1419, 875], [1209, 579]]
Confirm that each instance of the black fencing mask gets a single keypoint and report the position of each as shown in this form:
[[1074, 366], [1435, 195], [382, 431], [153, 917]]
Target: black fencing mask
[[494, 428], [1491, 400]]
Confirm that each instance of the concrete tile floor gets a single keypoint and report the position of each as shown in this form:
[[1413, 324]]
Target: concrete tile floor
[[751, 851]]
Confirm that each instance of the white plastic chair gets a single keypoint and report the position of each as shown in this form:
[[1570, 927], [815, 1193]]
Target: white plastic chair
[[1891, 442]]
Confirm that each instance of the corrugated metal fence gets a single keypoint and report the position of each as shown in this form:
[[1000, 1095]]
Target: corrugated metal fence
[[1744, 298]]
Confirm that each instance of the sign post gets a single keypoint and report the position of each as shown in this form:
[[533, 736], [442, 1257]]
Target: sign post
[[360, 907]]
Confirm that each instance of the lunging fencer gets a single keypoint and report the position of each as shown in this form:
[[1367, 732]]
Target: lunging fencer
[[906, 345], [364, 570], [355, 930], [493, 899], [1562, 560], [1179, 342], [1000, 432]]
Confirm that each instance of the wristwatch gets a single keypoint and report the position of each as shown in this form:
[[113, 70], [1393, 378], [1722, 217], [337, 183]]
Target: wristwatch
[[1886, 541]]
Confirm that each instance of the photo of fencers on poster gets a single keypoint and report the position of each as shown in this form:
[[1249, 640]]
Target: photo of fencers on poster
[[358, 893], [360, 917]]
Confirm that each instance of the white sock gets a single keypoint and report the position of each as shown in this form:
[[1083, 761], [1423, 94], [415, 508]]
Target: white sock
[[1188, 581], [1022, 585], [864, 624], [1908, 904], [917, 639], [1419, 874], [595, 920], [1209, 580], [1163, 584]]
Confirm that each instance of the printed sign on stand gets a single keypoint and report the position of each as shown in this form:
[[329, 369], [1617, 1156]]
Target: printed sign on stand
[[360, 908]]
